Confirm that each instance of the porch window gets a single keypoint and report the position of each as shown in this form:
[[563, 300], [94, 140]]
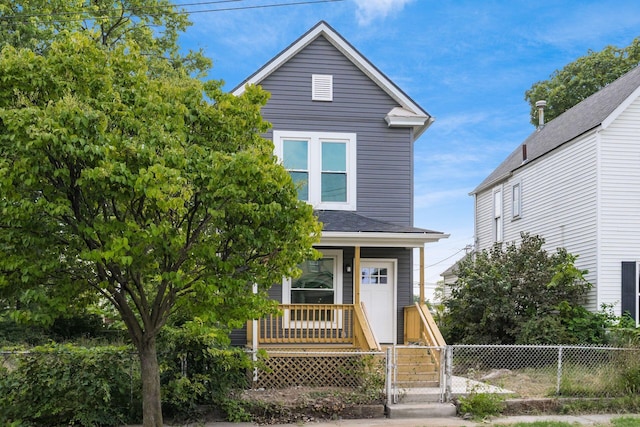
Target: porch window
[[319, 284], [316, 285]]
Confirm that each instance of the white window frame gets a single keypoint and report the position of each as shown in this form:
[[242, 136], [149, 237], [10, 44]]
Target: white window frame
[[516, 202], [498, 224], [337, 256], [314, 164]]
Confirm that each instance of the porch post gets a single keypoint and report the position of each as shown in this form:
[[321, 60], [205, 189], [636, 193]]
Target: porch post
[[356, 276], [422, 275]]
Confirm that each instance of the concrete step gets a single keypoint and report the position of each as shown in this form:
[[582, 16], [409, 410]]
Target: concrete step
[[426, 394], [421, 410]]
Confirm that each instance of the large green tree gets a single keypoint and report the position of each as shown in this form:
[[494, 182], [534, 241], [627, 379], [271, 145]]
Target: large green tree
[[581, 79], [155, 26], [149, 191], [501, 292]]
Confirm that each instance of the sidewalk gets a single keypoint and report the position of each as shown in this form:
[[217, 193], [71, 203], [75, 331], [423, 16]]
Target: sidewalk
[[588, 419]]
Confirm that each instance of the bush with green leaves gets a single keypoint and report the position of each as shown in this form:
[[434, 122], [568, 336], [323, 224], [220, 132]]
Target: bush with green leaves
[[513, 294], [481, 405], [199, 368], [57, 385]]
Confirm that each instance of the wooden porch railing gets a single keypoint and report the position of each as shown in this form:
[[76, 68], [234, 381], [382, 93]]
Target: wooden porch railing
[[364, 337], [420, 327], [305, 324]]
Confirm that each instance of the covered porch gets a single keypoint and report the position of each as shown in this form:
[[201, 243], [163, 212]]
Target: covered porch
[[373, 302]]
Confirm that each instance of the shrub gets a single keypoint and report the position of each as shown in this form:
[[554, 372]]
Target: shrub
[[481, 405], [65, 385], [501, 291], [198, 368]]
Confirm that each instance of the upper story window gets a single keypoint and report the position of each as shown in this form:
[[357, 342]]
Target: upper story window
[[516, 200], [497, 216], [322, 165]]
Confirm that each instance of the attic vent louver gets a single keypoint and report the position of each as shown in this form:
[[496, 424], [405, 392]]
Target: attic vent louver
[[322, 87]]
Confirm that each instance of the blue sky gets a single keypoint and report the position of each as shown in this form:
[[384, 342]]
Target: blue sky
[[467, 62]]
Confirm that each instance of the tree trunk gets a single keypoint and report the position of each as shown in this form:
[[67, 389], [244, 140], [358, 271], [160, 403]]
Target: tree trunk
[[150, 375]]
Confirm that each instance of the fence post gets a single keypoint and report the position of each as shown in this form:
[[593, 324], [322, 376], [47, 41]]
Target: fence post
[[389, 374], [559, 371], [448, 367]]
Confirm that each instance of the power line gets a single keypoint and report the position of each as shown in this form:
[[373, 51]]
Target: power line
[[298, 3], [447, 258], [84, 10], [68, 18]]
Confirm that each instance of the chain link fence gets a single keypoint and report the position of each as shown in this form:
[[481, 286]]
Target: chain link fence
[[542, 371], [515, 370]]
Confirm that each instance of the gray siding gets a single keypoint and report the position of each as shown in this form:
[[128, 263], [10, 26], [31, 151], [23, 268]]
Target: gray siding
[[385, 155], [404, 285]]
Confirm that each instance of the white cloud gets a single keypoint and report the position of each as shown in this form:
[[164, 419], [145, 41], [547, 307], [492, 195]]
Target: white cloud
[[368, 10]]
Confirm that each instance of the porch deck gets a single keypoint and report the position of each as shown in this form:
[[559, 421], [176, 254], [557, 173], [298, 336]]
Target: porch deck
[[324, 344]]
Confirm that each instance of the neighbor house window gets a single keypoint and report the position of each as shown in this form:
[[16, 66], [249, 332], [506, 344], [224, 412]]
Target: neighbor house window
[[497, 215], [516, 203], [322, 165]]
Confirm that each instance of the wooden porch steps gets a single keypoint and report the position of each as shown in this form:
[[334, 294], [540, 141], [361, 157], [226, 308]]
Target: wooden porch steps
[[416, 367]]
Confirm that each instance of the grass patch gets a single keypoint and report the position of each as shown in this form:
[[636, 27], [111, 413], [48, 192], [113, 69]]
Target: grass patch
[[543, 424], [626, 422], [617, 405], [615, 422], [617, 378]]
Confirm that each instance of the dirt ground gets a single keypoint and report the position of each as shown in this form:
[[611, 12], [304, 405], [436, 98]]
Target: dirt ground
[[307, 404]]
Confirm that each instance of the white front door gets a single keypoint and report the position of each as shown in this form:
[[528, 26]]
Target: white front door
[[377, 291]]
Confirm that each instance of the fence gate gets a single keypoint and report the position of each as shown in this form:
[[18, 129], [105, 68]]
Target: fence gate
[[416, 367]]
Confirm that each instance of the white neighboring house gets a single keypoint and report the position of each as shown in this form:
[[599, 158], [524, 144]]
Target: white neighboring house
[[576, 182]]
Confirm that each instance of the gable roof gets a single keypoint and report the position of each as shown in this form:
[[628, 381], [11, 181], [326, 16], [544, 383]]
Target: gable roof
[[408, 114], [598, 109], [344, 227]]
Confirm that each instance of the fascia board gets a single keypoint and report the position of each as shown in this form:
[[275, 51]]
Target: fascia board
[[395, 240]]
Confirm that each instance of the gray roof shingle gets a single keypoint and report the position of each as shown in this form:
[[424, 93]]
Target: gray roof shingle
[[345, 221], [574, 122]]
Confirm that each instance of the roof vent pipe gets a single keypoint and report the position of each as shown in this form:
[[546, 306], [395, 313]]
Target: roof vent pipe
[[541, 104], [524, 153]]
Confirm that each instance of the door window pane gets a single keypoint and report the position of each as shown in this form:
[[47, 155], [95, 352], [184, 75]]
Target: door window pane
[[374, 276]]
